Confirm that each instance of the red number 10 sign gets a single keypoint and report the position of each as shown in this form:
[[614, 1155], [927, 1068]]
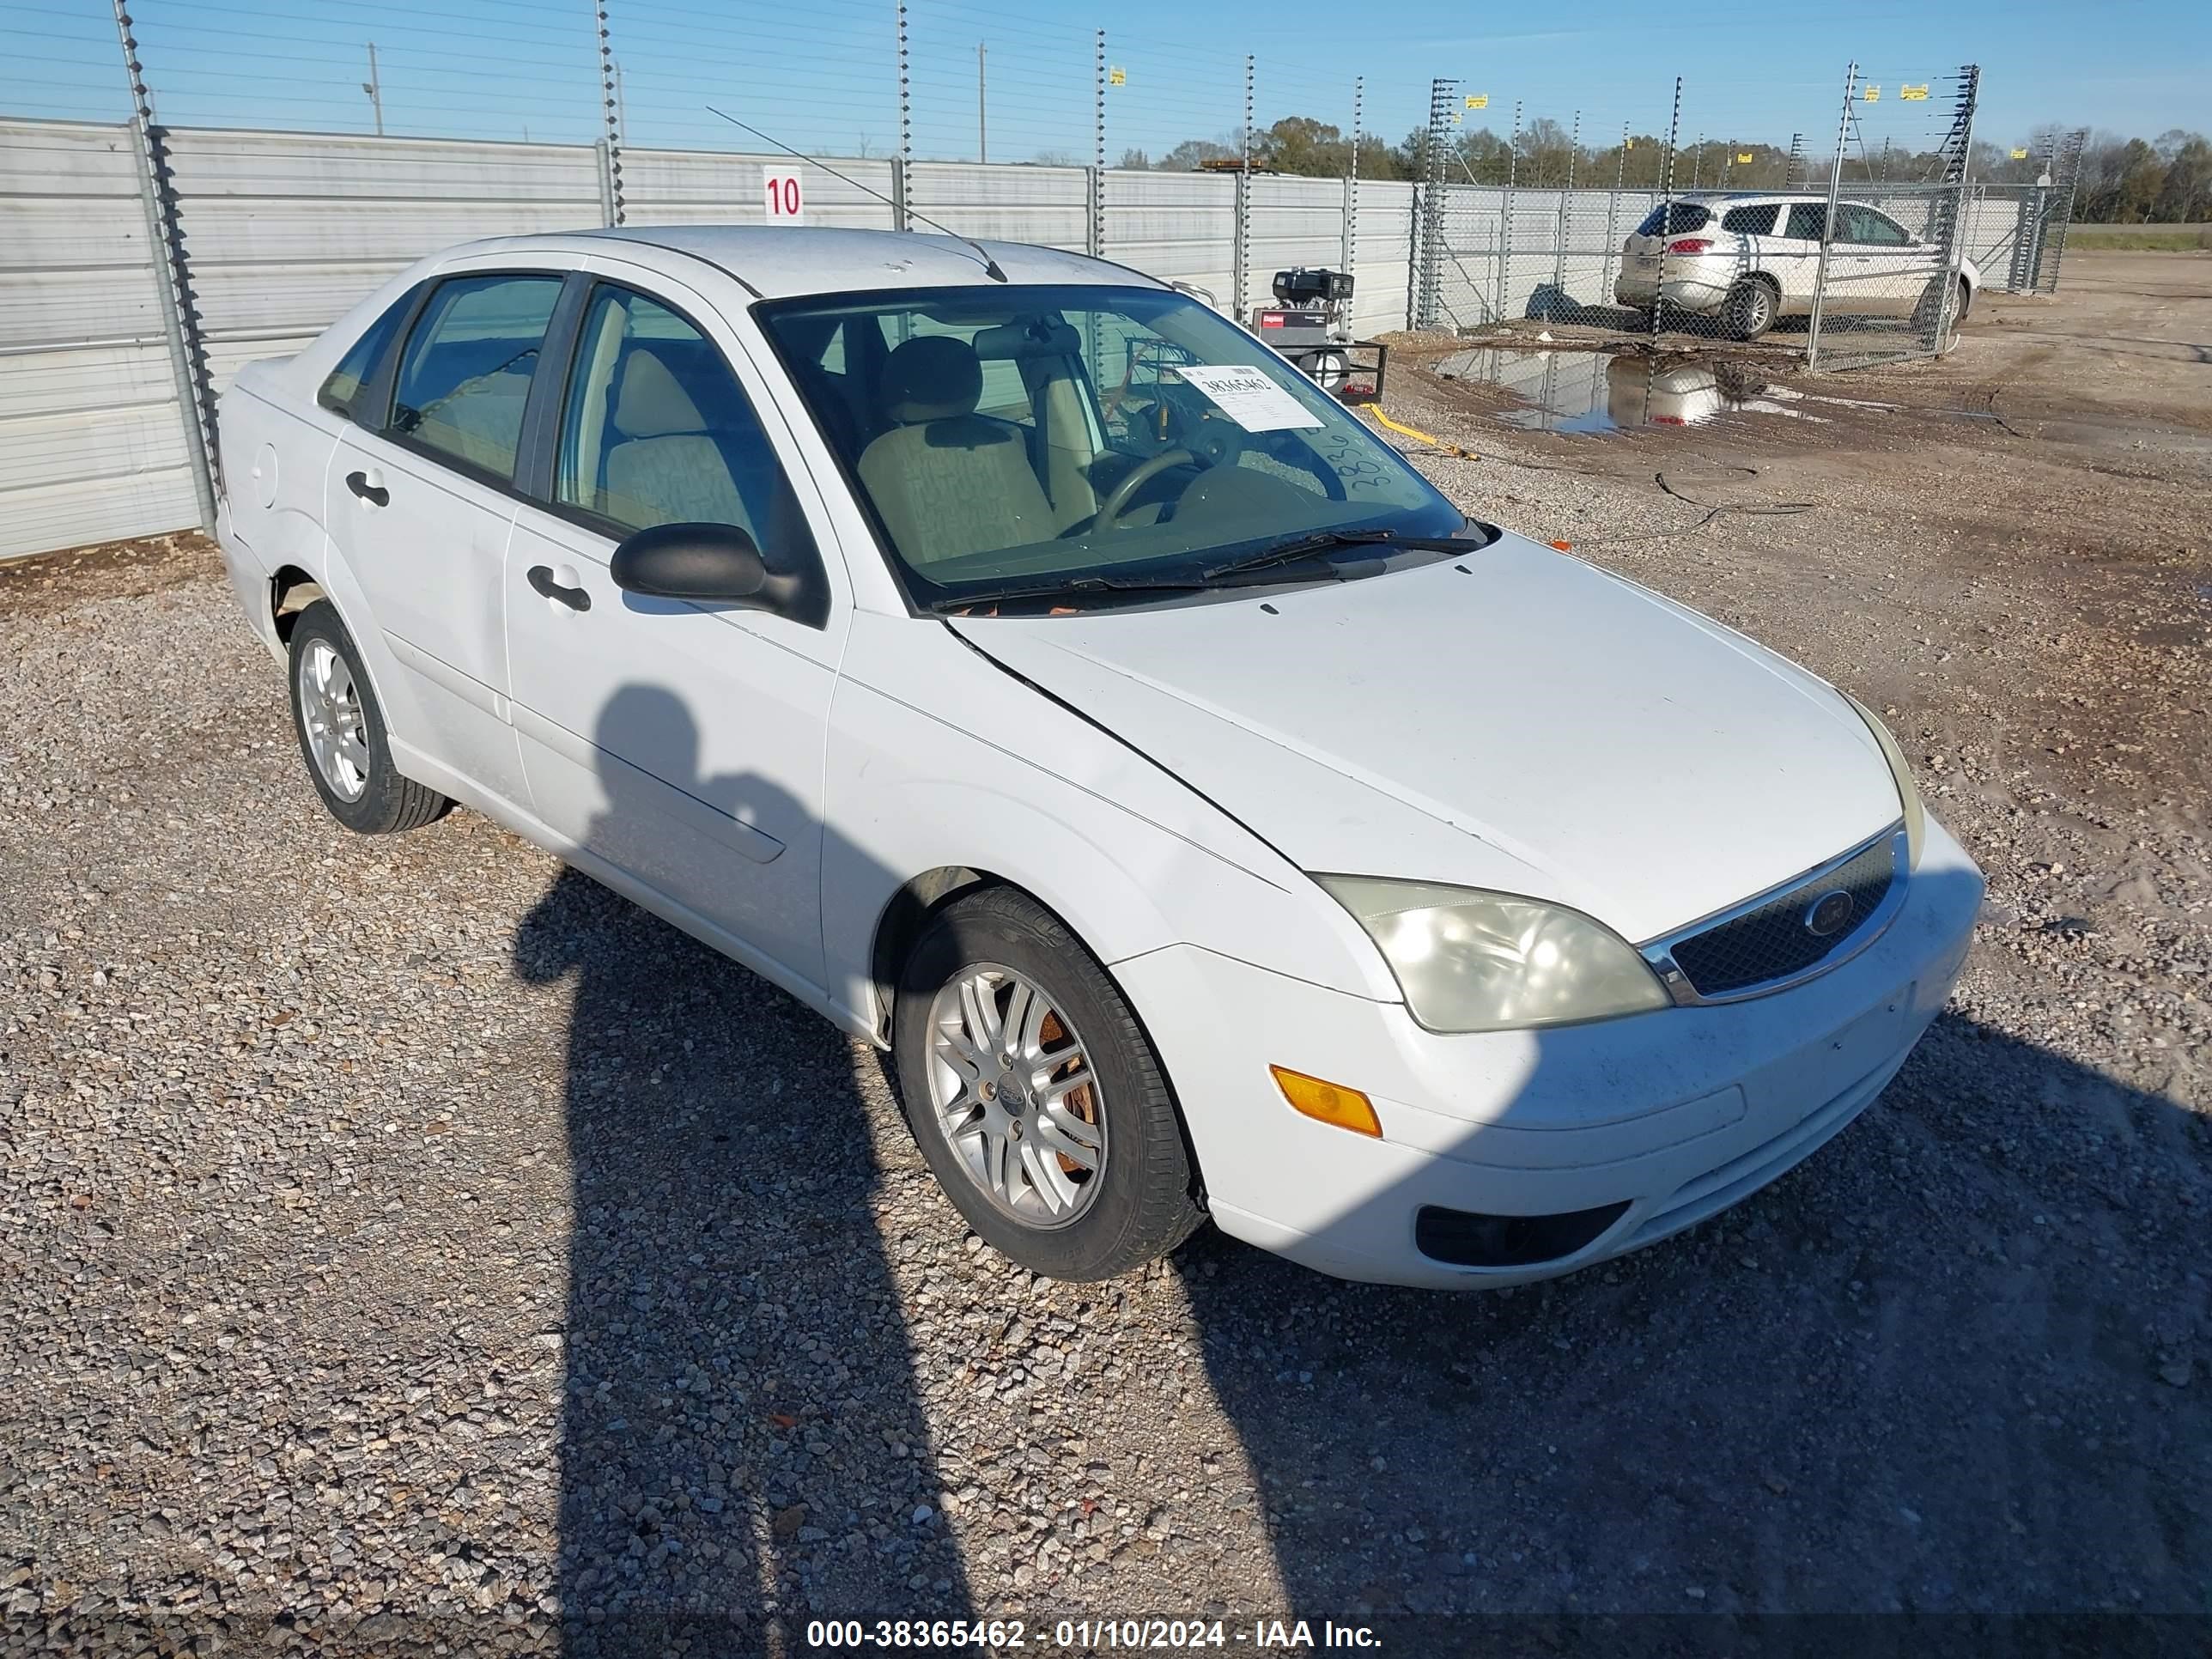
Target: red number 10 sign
[[786, 206]]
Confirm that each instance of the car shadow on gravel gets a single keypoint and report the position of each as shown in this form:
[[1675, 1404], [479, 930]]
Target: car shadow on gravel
[[1954, 1364], [741, 1441]]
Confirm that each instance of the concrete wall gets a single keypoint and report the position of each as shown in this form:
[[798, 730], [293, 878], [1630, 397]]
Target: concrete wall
[[92, 438]]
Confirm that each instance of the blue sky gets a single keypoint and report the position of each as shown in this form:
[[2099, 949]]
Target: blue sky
[[823, 76]]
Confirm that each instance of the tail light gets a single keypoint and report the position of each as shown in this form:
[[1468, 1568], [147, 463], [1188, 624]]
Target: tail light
[[1689, 244]]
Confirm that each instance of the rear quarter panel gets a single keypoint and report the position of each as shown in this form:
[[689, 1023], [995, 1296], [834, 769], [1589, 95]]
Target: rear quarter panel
[[273, 463]]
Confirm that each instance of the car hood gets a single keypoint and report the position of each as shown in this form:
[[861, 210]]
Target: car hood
[[1513, 719]]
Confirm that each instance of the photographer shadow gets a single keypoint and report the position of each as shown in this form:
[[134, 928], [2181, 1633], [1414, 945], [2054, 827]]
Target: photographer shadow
[[742, 1444]]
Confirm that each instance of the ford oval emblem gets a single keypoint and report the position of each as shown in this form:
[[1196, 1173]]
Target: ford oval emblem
[[1825, 916]]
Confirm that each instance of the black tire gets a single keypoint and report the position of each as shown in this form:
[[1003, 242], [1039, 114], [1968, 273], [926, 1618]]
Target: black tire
[[1145, 1202], [1928, 313], [387, 802], [1751, 308]]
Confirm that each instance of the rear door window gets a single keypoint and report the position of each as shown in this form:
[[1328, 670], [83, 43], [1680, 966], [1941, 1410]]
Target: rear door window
[[1864, 226], [1757, 221], [1674, 219], [1806, 219], [465, 374], [341, 392]]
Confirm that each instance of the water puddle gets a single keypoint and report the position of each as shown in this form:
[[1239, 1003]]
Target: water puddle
[[1595, 391]]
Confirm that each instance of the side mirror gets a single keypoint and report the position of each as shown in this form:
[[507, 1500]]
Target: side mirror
[[707, 562]]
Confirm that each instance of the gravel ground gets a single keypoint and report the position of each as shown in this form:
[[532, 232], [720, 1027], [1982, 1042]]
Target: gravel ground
[[406, 1243]]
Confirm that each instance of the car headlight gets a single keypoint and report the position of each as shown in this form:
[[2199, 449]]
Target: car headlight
[[1471, 961], [1908, 793]]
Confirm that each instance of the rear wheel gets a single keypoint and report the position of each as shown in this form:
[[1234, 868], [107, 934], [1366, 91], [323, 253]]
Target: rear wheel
[[342, 734], [1749, 310], [1035, 1095]]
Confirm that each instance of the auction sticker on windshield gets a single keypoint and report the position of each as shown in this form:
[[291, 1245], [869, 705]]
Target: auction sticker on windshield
[[1247, 396]]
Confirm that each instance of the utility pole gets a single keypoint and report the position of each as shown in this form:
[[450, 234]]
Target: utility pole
[[374, 88], [983, 135]]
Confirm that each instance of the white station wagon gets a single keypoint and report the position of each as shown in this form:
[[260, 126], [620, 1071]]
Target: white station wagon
[[1745, 262], [1023, 667]]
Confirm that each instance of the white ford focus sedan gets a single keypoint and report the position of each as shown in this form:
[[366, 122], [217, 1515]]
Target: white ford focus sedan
[[1021, 665]]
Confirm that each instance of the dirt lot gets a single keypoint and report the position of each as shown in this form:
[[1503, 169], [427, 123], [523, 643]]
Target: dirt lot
[[406, 1243]]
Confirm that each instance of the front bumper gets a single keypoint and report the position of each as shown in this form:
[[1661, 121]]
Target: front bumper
[[1676, 1114]]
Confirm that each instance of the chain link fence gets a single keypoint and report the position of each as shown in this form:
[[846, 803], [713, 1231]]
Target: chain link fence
[[1873, 252]]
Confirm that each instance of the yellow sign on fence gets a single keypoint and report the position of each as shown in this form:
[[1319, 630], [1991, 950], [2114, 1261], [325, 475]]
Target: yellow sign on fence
[[1873, 94], [1913, 95], [2019, 155], [1743, 158], [1477, 101], [1117, 77]]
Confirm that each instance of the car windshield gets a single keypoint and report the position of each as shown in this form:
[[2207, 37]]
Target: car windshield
[[1030, 441]]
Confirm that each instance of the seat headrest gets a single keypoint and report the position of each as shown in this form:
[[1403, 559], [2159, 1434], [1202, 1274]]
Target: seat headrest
[[651, 403], [934, 377]]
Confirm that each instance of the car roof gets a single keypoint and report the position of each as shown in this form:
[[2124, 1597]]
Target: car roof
[[782, 261]]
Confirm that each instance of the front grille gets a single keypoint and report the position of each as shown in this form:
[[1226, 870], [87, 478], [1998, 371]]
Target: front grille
[[1773, 942]]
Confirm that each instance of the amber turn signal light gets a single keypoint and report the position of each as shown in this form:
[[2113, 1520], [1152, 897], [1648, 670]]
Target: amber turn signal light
[[1328, 1103]]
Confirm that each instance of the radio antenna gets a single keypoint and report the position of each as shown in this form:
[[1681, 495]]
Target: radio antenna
[[990, 266]]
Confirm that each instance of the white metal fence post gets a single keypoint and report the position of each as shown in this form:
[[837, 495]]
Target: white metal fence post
[[173, 283], [1243, 228], [611, 153], [1960, 147], [1097, 231], [1828, 222], [1497, 308], [1351, 180], [902, 164], [1666, 229]]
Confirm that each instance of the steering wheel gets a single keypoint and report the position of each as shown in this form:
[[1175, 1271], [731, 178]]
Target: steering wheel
[[1117, 501]]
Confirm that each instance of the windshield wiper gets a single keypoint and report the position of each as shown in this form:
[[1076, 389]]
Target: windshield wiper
[[1080, 588], [1273, 558], [1320, 541]]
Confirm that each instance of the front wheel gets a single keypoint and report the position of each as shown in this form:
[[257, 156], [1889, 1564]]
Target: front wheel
[[1035, 1095]]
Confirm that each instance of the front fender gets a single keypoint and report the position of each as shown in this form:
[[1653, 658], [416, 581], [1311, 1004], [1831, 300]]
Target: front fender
[[990, 775]]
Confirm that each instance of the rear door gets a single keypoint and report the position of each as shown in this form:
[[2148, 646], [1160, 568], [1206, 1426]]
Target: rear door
[[1747, 234], [422, 509], [1793, 253]]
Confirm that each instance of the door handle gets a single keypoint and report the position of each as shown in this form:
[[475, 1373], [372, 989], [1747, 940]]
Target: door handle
[[541, 578], [374, 494]]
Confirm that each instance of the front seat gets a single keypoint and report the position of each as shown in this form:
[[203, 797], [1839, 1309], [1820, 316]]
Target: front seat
[[664, 468], [947, 481]]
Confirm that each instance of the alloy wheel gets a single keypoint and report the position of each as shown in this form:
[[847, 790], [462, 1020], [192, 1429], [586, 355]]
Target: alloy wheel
[[1015, 1095], [330, 715]]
